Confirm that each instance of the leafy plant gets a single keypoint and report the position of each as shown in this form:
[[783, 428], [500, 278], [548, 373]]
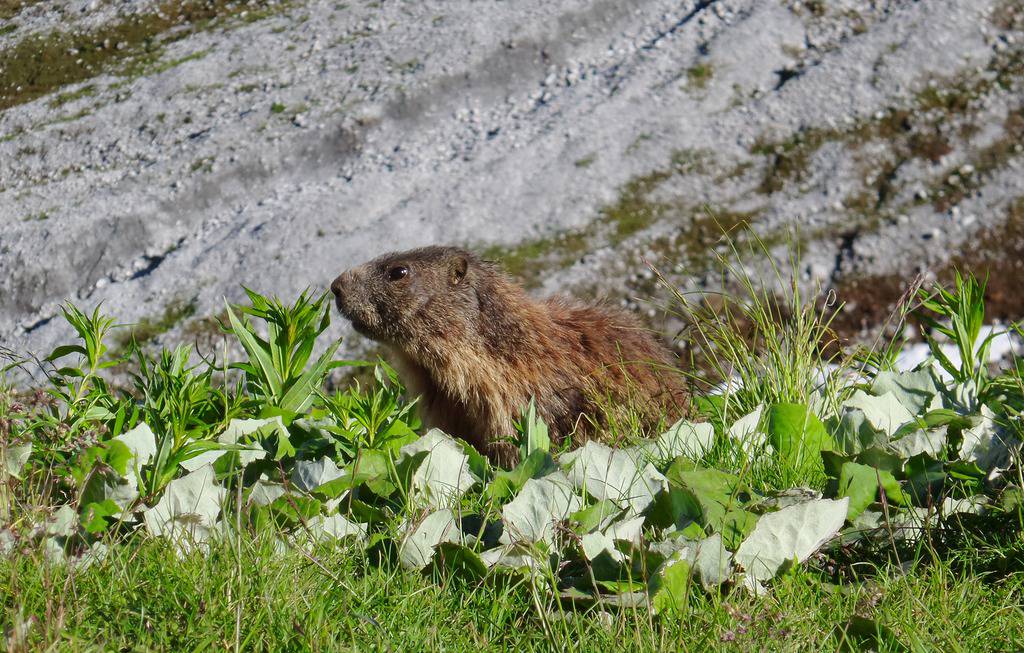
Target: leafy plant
[[80, 405], [276, 371], [959, 315], [183, 406], [377, 419]]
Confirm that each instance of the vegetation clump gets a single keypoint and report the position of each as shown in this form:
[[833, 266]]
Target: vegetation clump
[[809, 483]]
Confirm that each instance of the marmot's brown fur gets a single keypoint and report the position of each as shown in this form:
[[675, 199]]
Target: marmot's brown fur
[[476, 348]]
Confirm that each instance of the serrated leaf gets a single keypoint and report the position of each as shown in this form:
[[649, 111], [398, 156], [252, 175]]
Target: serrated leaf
[[791, 534]]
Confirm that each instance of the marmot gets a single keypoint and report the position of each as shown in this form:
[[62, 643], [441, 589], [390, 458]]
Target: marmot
[[476, 348]]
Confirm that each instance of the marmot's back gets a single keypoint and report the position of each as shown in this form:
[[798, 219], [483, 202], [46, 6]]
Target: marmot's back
[[476, 348]]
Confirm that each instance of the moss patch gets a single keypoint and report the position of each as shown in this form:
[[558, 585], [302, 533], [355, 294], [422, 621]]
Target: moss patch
[[63, 98], [698, 76], [148, 328], [39, 64], [11, 8]]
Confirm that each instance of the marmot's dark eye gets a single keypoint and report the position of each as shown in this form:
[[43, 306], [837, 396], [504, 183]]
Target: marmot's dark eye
[[398, 272]]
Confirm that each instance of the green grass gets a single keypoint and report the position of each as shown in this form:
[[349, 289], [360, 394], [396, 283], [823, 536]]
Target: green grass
[[144, 597]]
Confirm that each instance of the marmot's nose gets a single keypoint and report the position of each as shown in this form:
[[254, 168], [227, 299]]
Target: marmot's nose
[[338, 286]]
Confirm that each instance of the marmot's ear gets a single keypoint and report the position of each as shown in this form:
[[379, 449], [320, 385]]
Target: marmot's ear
[[457, 269]]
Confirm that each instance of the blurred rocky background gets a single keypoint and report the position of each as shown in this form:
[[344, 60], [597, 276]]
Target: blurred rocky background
[[156, 156]]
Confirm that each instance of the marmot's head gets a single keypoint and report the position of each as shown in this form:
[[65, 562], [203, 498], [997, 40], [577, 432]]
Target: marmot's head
[[413, 299]]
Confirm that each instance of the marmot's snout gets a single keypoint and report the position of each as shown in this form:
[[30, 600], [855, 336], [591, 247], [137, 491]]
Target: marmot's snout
[[348, 297]]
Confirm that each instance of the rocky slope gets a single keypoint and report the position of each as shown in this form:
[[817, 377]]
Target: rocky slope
[[154, 156]]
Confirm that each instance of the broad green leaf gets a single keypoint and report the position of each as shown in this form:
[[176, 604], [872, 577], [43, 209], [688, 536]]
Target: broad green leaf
[[736, 525], [141, 443], [510, 557], [597, 546], [606, 473], [443, 476], [542, 503], [712, 562], [308, 475], [676, 508], [63, 523], [417, 546], [335, 527], [291, 510], [454, 560], [105, 484], [861, 484], [746, 432], [189, 507], [985, 443], [885, 413], [507, 482], [715, 492], [118, 456], [919, 441], [925, 478], [791, 534], [917, 390], [94, 515], [596, 516], [681, 439], [797, 434], [264, 492], [13, 459], [669, 586], [881, 459], [370, 464]]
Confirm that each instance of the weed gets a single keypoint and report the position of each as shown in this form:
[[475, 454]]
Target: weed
[[699, 76]]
